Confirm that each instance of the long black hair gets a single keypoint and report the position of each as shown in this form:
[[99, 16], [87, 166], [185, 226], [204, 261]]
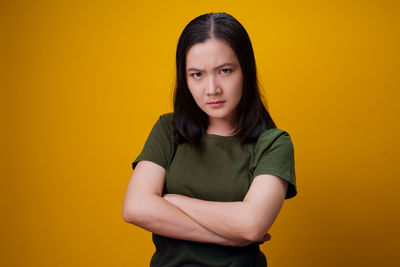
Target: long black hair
[[252, 116]]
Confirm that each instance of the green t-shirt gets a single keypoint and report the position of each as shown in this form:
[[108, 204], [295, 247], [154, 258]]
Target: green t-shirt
[[222, 170]]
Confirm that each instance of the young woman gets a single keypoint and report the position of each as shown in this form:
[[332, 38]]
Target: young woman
[[212, 176]]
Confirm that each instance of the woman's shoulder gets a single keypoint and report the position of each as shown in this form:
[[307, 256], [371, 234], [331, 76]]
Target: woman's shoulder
[[273, 132], [273, 136], [167, 122], [167, 117]]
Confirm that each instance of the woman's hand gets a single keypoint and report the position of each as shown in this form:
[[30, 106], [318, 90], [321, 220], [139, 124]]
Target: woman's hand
[[170, 197], [266, 238]]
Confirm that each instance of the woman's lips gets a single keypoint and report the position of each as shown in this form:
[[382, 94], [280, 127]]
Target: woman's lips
[[216, 104]]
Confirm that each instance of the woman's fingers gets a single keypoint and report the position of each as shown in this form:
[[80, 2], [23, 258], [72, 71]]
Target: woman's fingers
[[266, 238]]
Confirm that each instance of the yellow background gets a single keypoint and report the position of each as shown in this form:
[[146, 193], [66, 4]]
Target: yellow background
[[82, 83]]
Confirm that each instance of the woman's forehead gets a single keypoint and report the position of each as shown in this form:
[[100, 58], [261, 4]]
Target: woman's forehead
[[210, 54]]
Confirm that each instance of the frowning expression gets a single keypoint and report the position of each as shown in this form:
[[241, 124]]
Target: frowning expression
[[214, 78]]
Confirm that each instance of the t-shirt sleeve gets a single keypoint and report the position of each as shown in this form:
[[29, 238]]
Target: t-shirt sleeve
[[274, 154], [158, 146]]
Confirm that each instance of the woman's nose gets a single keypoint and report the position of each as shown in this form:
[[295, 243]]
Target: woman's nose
[[213, 86]]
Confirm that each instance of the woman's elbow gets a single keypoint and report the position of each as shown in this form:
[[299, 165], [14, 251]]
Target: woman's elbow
[[132, 213], [255, 231], [127, 214], [256, 235]]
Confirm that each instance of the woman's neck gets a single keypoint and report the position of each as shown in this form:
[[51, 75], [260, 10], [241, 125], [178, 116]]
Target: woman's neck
[[220, 127]]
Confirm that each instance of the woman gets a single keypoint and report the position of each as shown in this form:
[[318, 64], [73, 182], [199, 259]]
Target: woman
[[212, 176]]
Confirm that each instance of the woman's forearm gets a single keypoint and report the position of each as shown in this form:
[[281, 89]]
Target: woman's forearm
[[227, 219], [249, 219], [161, 217], [145, 207]]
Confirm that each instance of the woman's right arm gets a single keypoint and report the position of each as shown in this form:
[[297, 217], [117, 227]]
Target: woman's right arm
[[145, 207]]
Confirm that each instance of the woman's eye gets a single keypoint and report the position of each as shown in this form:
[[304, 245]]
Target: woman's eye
[[197, 74], [225, 71]]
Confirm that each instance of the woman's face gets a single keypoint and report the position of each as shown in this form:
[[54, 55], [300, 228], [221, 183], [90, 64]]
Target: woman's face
[[215, 79]]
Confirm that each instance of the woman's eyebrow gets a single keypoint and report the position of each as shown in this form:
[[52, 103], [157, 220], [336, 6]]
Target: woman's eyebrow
[[220, 66]]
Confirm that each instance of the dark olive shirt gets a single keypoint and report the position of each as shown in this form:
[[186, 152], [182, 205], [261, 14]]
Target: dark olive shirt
[[221, 170]]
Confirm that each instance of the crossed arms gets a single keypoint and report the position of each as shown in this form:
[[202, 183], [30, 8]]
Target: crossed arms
[[225, 223]]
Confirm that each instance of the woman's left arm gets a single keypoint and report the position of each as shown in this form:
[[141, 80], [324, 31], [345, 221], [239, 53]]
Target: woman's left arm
[[249, 219]]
